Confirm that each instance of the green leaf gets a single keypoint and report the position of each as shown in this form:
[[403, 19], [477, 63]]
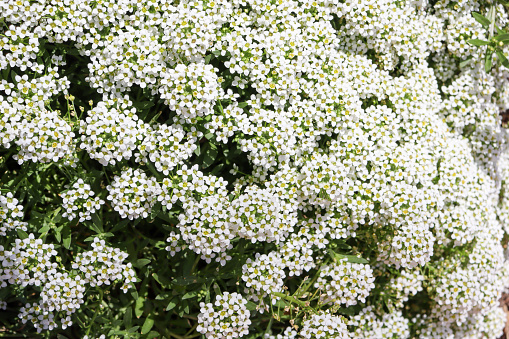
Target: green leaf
[[488, 61], [97, 222], [121, 224], [350, 258], [162, 279], [502, 58], [147, 325], [141, 262], [171, 305], [466, 62], [133, 329], [138, 307], [216, 288], [66, 237], [189, 295], [58, 234], [21, 234], [187, 280], [243, 104], [210, 156], [153, 334], [481, 19], [208, 58], [501, 37], [128, 317], [144, 105], [478, 42], [251, 306]]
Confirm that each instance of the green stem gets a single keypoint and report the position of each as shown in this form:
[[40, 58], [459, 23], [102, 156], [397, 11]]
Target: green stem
[[95, 313], [192, 329], [294, 300], [195, 264], [311, 283]]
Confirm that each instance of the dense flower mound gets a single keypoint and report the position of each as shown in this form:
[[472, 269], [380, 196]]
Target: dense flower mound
[[254, 168]]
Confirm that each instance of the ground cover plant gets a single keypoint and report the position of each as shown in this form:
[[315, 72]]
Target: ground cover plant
[[256, 169]]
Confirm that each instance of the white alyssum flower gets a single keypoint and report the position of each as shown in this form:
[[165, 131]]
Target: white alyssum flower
[[227, 317], [79, 202]]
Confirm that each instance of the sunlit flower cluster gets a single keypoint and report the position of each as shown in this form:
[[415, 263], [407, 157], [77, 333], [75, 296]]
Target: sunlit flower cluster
[[133, 193], [79, 202], [11, 214], [227, 317], [104, 265], [346, 151]]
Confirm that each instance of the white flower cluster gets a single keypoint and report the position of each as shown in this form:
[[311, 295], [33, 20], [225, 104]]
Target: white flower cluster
[[259, 215], [227, 317], [356, 118], [325, 325], [112, 131], [191, 90], [79, 202], [263, 276], [45, 137], [133, 193], [11, 214], [30, 262], [345, 283], [168, 146], [368, 324], [408, 284], [104, 265]]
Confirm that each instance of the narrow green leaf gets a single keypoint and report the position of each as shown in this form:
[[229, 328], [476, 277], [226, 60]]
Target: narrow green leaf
[[350, 258], [153, 334], [251, 306], [58, 234], [501, 37], [481, 19], [488, 62], [210, 156], [21, 234], [171, 305], [128, 317], [141, 262], [216, 288], [466, 62], [147, 325], [187, 280], [189, 295], [243, 104], [208, 57], [133, 329], [66, 237], [138, 307], [478, 42], [97, 222], [502, 58]]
